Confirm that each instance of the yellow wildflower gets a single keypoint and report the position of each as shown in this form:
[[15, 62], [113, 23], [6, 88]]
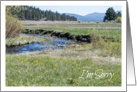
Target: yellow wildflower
[[31, 74], [47, 85], [77, 83], [21, 61], [36, 61]]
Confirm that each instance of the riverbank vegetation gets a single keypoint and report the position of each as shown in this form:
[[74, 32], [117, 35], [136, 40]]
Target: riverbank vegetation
[[13, 27], [23, 39]]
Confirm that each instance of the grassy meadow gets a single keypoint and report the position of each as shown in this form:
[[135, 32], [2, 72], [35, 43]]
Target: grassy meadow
[[82, 64]]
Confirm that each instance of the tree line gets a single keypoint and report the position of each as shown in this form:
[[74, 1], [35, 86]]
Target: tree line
[[33, 13]]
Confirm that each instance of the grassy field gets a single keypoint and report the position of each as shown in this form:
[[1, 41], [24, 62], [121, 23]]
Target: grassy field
[[85, 28], [94, 64], [26, 70]]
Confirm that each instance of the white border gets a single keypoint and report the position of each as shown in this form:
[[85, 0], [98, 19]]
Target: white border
[[62, 3]]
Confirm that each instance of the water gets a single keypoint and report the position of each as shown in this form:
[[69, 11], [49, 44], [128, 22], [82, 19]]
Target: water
[[53, 43]]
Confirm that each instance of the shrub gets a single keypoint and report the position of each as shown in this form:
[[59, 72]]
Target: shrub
[[106, 21], [97, 22], [79, 21], [118, 20], [13, 27]]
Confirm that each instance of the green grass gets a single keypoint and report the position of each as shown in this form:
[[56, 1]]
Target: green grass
[[85, 28], [23, 70], [85, 31], [23, 39]]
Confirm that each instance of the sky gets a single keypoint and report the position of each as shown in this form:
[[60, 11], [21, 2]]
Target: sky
[[81, 10]]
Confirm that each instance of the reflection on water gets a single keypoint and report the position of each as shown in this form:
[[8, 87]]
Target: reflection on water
[[53, 43]]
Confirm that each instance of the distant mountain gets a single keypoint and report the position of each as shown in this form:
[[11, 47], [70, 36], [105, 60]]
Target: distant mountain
[[95, 16], [89, 17], [79, 17]]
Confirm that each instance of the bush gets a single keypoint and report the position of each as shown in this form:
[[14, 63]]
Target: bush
[[118, 20], [79, 21], [88, 21], [13, 27], [97, 22], [106, 21]]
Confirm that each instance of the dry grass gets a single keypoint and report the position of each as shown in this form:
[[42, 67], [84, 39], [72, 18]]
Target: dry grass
[[68, 24], [78, 52]]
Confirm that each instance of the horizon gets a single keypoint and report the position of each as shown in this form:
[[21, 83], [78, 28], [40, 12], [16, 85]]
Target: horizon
[[80, 10]]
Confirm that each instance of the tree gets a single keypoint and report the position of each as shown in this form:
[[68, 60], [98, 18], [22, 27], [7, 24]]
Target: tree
[[119, 14], [110, 14], [33, 13]]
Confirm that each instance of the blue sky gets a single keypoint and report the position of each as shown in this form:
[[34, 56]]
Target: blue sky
[[81, 10]]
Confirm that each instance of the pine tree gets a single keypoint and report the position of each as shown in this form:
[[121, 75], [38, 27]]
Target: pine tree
[[33, 13], [110, 14]]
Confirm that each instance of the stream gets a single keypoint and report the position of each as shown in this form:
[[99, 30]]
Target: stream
[[52, 43]]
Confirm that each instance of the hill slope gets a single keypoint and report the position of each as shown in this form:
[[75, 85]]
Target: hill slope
[[33, 13], [89, 17]]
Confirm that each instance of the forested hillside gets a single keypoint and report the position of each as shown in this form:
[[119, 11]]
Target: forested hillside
[[33, 13]]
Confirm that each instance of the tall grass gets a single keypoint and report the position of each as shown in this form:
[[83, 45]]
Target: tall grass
[[13, 27]]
